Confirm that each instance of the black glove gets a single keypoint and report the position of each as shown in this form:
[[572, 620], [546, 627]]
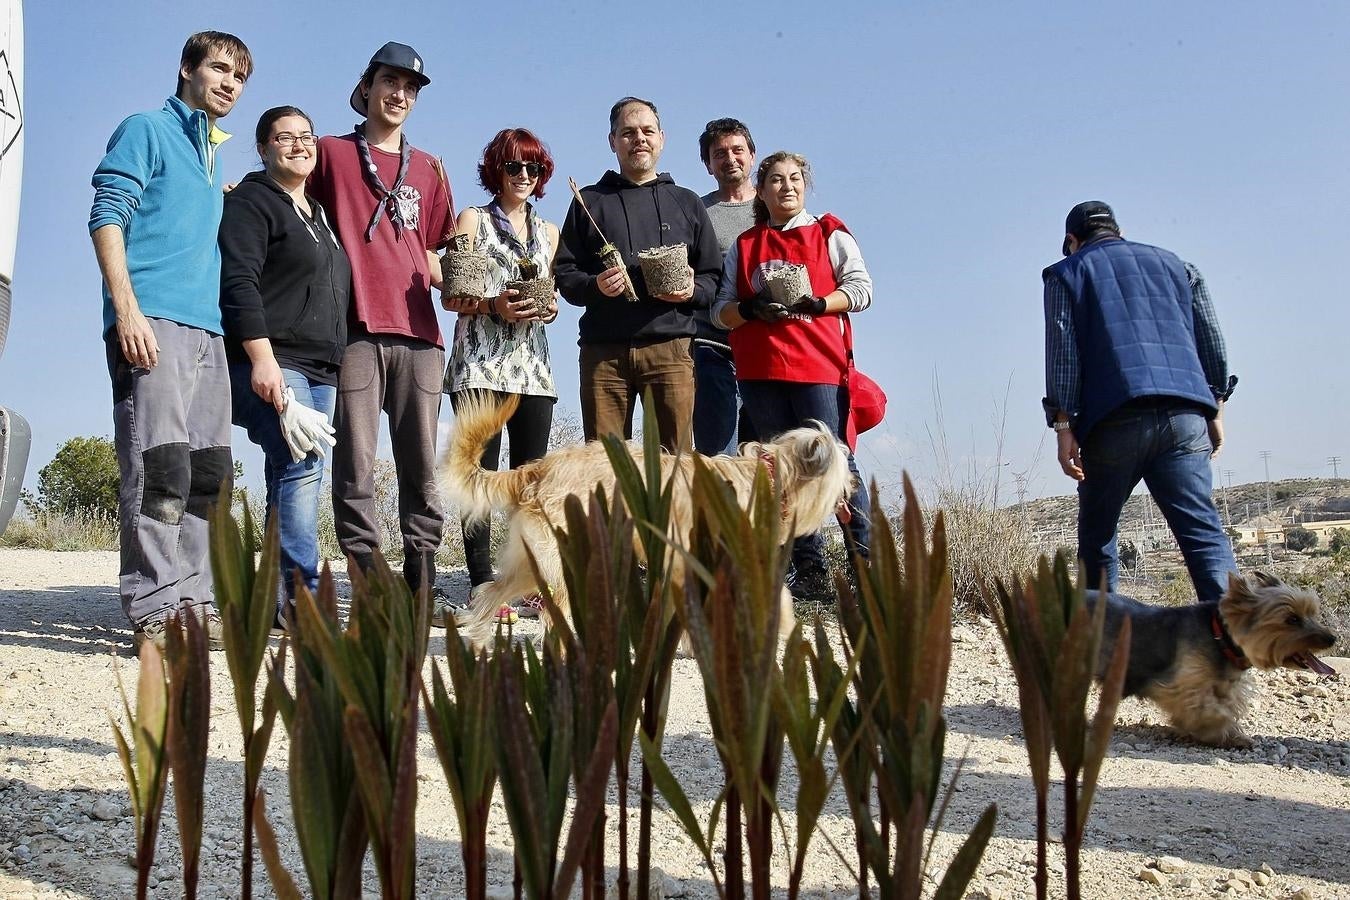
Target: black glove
[[814, 306], [762, 308]]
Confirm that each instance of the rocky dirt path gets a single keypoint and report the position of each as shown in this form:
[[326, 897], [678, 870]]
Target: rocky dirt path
[[1170, 820]]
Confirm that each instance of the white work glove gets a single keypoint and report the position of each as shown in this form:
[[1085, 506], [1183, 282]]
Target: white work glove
[[305, 430]]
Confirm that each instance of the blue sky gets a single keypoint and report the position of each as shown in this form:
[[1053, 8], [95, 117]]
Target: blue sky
[[950, 137]]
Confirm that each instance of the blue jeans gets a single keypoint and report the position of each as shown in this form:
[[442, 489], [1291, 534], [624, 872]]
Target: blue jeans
[[715, 400], [1167, 447], [292, 487], [778, 406]]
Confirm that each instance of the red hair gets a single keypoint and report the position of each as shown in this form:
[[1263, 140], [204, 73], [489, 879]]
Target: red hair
[[510, 145]]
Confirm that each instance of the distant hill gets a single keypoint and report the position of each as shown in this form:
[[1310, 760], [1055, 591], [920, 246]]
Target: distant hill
[[1291, 500]]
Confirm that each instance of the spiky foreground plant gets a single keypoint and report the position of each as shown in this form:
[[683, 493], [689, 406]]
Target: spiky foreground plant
[[246, 595], [537, 722], [330, 824], [1053, 642], [185, 742], [898, 640], [647, 632], [142, 755], [463, 728], [376, 665]]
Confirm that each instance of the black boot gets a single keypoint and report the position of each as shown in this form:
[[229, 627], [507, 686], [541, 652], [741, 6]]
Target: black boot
[[363, 562], [419, 569]]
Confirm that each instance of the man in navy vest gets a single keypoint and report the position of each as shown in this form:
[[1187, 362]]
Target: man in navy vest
[[1136, 375]]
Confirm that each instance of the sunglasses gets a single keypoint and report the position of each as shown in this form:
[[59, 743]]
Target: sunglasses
[[515, 167]]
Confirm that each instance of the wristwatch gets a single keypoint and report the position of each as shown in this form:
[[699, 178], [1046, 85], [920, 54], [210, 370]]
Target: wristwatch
[[1061, 425]]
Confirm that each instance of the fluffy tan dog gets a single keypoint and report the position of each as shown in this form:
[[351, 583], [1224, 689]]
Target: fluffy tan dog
[[809, 465]]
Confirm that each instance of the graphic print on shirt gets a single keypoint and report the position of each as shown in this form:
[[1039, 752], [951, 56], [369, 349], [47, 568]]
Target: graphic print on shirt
[[409, 201]]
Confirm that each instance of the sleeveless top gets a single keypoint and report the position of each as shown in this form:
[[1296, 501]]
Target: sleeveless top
[[488, 352]]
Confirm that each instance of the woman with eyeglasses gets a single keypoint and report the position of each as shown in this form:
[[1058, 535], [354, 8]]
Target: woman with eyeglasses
[[285, 285], [500, 346], [792, 358]]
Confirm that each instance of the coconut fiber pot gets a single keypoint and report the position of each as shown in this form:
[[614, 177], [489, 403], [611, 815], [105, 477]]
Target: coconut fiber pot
[[665, 269]]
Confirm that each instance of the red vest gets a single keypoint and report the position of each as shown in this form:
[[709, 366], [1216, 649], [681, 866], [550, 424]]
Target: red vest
[[805, 352]]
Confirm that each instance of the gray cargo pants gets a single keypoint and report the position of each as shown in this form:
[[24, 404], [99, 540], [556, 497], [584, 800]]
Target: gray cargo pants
[[401, 377], [171, 428]]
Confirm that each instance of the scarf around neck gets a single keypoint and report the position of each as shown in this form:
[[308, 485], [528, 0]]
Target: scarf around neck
[[530, 247], [385, 195]]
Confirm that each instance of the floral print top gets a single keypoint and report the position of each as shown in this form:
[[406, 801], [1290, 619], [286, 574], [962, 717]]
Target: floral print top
[[488, 351]]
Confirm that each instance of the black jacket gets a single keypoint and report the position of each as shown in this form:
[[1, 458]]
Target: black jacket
[[635, 217], [280, 277]]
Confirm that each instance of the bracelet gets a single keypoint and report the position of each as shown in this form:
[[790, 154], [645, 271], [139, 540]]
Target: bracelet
[[1061, 425]]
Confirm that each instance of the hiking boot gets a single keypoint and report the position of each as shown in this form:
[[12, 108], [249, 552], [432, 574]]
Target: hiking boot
[[215, 630], [152, 630], [155, 631], [812, 585]]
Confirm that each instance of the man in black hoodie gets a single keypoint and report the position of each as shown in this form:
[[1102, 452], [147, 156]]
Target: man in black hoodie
[[629, 347]]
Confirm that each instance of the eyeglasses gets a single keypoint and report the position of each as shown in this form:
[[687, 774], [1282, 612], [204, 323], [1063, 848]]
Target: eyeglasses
[[515, 167], [286, 139]]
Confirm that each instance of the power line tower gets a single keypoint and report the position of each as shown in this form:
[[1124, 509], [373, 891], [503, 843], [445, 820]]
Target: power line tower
[[1021, 480], [1228, 516], [1335, 462], [1265, 457]]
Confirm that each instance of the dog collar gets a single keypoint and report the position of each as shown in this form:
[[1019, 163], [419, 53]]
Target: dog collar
[[1231, 651]]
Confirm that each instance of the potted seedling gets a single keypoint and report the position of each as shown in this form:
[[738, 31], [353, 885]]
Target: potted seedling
[[531, 286], [665, 269], [463, 269], [609, 254], [788, 284]]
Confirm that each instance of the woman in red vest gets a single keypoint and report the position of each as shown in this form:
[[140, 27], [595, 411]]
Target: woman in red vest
[[792, 360]]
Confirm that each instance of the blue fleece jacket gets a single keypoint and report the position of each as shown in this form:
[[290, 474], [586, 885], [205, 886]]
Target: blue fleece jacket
[[158, 183]]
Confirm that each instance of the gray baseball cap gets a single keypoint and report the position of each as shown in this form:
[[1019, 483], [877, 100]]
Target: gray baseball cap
[[396, 56]]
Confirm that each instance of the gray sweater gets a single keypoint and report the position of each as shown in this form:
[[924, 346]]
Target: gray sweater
[[729, 220]]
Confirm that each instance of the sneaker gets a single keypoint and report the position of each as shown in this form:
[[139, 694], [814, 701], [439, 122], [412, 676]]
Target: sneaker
[[812, 585], [531, 607], [446, 612]]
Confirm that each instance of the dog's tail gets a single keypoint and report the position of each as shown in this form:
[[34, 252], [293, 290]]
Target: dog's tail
[[463, 479]]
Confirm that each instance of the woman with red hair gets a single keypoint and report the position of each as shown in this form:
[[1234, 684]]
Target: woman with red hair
[[500, 346]]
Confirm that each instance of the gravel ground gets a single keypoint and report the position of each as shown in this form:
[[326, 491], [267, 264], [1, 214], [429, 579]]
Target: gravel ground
[[1170, 819]]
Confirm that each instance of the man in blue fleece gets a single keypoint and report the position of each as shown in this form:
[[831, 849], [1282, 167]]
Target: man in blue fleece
[[157, 206]]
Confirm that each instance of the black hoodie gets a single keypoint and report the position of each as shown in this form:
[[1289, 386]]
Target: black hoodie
[[635, 217], [282, 278]]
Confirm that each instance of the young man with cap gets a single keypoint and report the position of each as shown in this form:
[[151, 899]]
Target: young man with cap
[[728, 153], [157, 206], [391, 206], [628, 347], [1136, 375]]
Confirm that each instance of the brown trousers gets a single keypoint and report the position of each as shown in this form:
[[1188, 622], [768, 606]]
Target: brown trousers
[[615, 376]]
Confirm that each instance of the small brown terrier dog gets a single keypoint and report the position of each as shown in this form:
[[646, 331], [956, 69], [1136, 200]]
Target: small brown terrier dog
[[809, 465], [1191, 660]]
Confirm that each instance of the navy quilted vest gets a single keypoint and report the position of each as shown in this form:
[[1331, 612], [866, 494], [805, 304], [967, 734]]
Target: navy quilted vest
[[1135, 327]]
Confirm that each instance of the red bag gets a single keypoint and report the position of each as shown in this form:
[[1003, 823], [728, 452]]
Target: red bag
[[866, 399]]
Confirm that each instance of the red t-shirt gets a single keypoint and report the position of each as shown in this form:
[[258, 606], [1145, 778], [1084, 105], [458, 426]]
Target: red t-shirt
[[391, 281], [803, 352]]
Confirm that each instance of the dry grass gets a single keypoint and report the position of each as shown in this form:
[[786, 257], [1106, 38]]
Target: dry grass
[[80, 530]]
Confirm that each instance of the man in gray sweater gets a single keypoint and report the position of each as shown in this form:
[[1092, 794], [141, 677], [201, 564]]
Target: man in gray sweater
[[728, 151]]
